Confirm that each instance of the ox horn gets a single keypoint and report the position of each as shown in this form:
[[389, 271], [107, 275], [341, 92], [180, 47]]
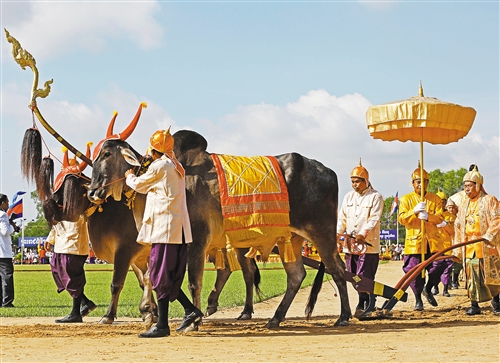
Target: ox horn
[[65, 162], [83, 164], [128, 131], [111, 124]]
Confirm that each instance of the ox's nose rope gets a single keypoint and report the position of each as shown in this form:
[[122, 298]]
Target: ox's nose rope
[[110, 183]]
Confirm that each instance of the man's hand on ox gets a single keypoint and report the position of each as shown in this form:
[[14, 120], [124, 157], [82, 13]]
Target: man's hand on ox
[[128, 172], [420, 207]]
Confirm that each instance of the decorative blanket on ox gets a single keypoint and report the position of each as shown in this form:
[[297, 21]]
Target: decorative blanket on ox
[[254, 197]]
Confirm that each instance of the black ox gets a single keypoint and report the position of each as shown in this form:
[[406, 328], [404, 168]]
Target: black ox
[[313, 194]]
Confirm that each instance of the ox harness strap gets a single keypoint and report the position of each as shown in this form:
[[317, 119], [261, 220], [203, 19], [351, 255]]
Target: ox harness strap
[[130, 193]]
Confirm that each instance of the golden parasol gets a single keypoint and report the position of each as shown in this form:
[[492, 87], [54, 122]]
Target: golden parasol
[[420, 119]]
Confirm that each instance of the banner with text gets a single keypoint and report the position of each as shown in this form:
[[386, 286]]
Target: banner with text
[[387, 235], [31, 241]]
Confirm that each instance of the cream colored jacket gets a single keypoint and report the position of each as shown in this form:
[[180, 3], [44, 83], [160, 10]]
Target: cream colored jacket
[[70, 238], [166, 214], [360, 213]]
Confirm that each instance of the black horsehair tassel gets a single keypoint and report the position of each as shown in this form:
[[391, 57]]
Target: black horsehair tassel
[[31, 155]]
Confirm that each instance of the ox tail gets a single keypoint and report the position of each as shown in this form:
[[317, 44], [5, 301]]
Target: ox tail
[[316, 288], [256, 280], [45, 179], [31, 155]]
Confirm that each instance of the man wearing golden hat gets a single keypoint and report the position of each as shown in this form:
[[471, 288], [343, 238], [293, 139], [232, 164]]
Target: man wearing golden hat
[[359, 217], [459, 197], [412, 210], [166, 227], [479, 217]]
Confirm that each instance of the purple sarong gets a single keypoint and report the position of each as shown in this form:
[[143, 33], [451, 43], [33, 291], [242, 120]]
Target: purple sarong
[[446, 275], [364, 265], [68, 273], [434, 271], [167, 266]]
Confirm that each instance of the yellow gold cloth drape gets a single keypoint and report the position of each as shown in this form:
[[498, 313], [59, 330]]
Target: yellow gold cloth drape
[[254, 197]]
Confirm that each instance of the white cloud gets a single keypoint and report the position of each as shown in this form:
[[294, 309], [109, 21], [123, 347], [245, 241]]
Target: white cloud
[[55, 28], [333, 130]]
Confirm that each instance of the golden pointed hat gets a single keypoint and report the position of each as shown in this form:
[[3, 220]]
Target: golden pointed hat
[[475, 177], [162, 141], [416, 174], [360, 172], [441, 194]]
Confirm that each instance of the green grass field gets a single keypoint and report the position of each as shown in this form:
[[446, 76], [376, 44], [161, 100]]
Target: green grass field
[[36, 294]]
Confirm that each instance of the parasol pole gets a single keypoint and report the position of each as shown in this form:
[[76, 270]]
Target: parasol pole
[[422, 186]]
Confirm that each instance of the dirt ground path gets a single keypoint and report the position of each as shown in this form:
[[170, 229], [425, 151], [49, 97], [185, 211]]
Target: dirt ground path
[[438, 334]]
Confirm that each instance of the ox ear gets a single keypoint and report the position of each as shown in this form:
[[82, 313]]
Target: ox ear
[[130, 157]]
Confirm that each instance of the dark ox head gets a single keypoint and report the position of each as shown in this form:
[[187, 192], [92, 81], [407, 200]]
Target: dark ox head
[[108, 170], [112, 157]]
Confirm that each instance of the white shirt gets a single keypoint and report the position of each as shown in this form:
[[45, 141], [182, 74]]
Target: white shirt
[[166, 213], [70, 238], [360, 213], [5, 231]]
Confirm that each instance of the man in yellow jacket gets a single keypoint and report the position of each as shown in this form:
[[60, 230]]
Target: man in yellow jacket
[[412, 210]]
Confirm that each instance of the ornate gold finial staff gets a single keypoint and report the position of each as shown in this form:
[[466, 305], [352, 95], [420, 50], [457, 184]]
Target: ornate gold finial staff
[[25, 59], [421, 90]]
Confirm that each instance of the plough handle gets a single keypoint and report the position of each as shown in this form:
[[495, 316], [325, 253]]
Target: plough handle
[[406, 280]]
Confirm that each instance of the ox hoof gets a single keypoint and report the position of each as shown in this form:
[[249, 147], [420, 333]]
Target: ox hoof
[[244, 316], [192, 327], [341, 323], [211, 310], [149, 320], [273, 324], [106, 320]]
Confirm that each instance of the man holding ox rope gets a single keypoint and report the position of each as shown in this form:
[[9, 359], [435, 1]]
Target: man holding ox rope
[[359, 217], [166, 227]]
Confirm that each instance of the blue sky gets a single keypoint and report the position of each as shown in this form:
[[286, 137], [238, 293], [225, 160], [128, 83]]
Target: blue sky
[[255, 78]]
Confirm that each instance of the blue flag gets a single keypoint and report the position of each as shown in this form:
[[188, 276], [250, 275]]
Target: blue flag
[[394, 205], [16, 206]]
